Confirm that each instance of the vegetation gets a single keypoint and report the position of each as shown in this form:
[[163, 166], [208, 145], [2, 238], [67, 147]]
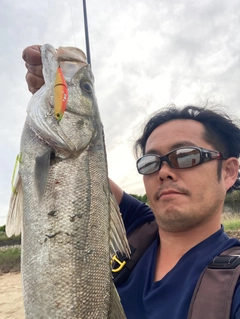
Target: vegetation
[[232, 201], [10, 260], [231, 224], [10, 256], [9, 253], [231, 221], [6, 241], [142, 198]]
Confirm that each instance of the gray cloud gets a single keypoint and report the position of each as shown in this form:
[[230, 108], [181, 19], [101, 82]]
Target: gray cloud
[[144, 56]]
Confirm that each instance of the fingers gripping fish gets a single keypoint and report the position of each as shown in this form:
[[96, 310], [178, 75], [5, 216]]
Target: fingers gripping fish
[[70, 224]]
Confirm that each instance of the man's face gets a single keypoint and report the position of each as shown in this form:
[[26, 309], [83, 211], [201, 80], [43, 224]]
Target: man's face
[[183, 199]]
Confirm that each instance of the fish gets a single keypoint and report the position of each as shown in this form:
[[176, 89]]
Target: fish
[[62, 203]]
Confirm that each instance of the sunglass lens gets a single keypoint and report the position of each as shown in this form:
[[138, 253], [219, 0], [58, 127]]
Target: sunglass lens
[[148, 164], [184, 158]]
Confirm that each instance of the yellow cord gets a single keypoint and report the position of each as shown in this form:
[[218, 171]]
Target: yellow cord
[[17, 162]]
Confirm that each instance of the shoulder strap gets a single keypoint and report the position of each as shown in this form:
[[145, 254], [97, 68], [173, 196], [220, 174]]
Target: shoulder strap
[[214, 291], [139, 241]]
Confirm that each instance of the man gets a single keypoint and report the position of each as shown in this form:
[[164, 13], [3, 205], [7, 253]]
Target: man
[[189, 160]]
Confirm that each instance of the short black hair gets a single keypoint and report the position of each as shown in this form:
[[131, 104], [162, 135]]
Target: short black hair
[[220, 131]]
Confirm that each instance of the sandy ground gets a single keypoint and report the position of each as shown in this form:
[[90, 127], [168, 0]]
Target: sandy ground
[[11, 303]]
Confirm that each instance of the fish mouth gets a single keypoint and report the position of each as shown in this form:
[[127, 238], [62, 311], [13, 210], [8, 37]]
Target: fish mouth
[[72, 112], [68, 111]]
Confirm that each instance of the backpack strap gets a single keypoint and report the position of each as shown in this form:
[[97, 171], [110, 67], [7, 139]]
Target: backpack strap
[[212, 297], [139, 241]]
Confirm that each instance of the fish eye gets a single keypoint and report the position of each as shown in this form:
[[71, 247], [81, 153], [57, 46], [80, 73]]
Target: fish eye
[[86, 86]]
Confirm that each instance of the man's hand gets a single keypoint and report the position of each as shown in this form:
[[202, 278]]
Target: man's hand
[[34, 77]]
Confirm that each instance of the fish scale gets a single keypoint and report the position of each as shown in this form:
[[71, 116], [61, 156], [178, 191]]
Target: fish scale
[[67, 211], [76, 255]]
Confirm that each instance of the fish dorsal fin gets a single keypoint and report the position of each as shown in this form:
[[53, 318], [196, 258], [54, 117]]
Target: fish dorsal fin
[[15, 213], [42, 166], [118, 238]]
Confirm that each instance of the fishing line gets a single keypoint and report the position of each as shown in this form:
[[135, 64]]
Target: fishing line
[[18, 160], [85, 19], [74, 34], [46, 22], [53, 13]]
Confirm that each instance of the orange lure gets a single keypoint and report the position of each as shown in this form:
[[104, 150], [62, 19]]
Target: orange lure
[[60, 95]]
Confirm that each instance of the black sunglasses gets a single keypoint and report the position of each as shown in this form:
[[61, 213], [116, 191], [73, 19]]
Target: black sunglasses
[[183, 157]]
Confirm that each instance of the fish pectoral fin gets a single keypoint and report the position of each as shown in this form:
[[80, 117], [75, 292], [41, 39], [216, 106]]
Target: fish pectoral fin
[[115, 308], [42, 166], [15, 212], [118, 238]]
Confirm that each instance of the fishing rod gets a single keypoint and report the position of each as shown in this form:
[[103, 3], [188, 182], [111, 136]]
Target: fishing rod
[[86, 32]]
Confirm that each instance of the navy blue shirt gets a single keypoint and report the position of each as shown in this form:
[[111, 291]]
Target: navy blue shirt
[[169, 297]]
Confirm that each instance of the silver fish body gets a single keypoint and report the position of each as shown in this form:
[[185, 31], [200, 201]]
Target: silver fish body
[[63, 190]]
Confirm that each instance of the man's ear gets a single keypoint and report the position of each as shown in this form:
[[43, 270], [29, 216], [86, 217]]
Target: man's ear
[[230, 171]]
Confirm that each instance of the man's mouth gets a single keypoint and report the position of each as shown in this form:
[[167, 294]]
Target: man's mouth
[[161, 193], [168, 193]]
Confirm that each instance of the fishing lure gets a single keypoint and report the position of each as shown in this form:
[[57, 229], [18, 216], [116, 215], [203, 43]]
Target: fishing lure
[[60, 94]]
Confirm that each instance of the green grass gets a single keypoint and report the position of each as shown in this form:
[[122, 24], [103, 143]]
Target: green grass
[[10, 260], [4, 238], [231, 224], [231, 221], [9, 255]]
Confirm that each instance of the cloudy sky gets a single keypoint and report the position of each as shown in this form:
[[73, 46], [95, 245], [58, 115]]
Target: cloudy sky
[[145, 55]]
